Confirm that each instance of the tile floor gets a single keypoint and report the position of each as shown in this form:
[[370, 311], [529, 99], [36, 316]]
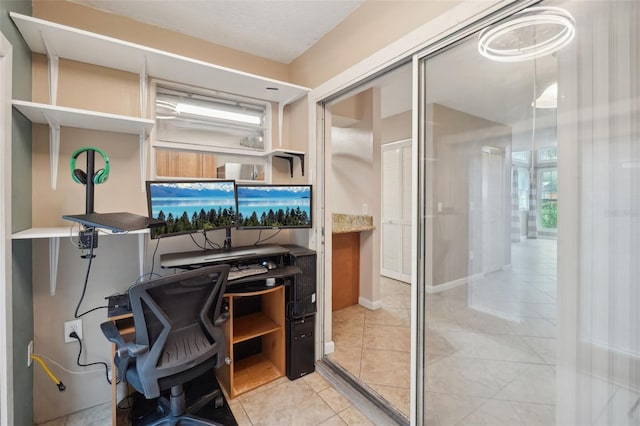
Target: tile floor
[[310, 400], [490, 355], [490, 344]]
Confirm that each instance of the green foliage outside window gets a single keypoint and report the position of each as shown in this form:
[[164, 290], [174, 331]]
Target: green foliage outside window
[[549, 214]]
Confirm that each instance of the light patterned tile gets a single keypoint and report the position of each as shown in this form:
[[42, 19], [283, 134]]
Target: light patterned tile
[[544, 347], [238, 412], [492, 413], [93, 417], [396, 317], [334, 399], [387, 338], [349, 358], [450, 409], [333, 421], [290, 403], [535, 414], [400, 398], [316, 381], [504, 347], [353, 417], [535, 384], [60, 421], [391, 368], [470, 376]]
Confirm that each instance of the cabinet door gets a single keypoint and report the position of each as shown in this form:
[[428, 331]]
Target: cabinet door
[[185, 164]]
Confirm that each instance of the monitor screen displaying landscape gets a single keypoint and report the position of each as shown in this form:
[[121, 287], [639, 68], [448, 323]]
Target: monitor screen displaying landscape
[[273, 206], [191, 206]]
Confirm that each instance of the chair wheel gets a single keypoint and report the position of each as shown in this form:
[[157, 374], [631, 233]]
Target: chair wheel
[[218, 401]]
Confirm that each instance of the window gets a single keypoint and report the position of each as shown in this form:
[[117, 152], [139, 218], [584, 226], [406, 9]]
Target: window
[[548, 190], [547, 155], [202, 134]]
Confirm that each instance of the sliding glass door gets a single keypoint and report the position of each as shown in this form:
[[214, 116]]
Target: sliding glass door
[[528, 295]]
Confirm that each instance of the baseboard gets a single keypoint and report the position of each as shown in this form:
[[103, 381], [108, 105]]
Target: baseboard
[[329, 347], [369, 304], [452, 284]]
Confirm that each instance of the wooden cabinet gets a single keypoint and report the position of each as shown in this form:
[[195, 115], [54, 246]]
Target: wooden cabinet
[[345, 270], [255, 340]]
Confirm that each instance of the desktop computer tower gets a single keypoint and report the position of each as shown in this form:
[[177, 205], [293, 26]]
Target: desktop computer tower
[[300, 346], [301, 296], [300, 319]]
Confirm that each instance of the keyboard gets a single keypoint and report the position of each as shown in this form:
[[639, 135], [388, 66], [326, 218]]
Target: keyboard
[[241, 271]]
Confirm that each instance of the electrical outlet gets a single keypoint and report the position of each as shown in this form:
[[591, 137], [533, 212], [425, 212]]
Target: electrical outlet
[[29, 353], [70, 327]]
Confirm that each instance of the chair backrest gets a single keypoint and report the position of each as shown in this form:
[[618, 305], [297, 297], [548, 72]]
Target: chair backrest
[[174, 316]]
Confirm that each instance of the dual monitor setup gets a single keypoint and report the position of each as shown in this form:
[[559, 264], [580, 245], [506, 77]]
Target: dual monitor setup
[[189, 206]]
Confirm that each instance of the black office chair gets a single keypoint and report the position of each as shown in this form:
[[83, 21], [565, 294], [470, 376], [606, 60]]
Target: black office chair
[[178, 337]]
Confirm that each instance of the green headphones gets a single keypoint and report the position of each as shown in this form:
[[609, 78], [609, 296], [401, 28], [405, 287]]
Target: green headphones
[[80, 176]]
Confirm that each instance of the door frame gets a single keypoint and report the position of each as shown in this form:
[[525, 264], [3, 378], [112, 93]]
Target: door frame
[[6, 323]]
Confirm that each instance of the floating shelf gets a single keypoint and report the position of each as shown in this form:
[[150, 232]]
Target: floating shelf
[[50, 38], [83, 119], [288, 155], [53, 234], [56, 116]]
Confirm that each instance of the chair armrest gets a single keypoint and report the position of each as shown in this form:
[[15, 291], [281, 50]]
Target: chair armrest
[[124, 350]]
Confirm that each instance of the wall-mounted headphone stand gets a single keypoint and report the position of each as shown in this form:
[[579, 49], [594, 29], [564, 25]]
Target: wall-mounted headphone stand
[[89, 235]]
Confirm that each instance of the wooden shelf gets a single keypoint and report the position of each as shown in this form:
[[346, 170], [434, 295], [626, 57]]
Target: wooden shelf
[[255, 340], [78, 45], [253, 325], [253, 372]]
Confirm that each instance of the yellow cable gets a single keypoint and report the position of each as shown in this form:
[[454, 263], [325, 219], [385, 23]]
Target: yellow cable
[[61, 386]]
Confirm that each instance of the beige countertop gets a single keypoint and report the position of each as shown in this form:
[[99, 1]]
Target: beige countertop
[[344, 223]]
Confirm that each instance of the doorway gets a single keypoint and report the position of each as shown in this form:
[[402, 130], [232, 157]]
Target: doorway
[[367, 151]]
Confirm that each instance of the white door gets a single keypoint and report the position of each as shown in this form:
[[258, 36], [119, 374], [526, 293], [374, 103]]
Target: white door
[[396, 211], [492, 209]]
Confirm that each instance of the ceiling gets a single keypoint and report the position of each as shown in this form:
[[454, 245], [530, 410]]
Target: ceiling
[[280, 30]]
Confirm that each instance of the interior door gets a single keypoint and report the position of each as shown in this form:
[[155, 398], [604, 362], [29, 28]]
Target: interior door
[[396, 210], [492, 209]]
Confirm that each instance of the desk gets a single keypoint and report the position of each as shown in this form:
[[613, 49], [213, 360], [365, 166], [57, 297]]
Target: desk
[[255, 335]]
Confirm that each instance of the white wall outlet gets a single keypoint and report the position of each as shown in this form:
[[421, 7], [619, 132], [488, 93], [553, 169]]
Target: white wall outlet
[[71, 326], [365, 208], [29, 353]]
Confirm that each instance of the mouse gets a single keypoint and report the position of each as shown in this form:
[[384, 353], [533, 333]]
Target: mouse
[[270, 264]]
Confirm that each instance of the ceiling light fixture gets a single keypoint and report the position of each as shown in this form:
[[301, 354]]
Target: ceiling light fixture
[[531, 33]]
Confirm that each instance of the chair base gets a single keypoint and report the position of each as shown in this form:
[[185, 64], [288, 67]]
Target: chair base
[[173, 410]]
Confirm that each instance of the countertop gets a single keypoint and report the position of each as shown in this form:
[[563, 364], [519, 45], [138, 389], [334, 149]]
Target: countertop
[[344, 223]]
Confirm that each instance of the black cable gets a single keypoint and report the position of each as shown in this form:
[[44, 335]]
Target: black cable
[[86, 279], [106, 367], [196, 243], [153, 257], [266, 239]]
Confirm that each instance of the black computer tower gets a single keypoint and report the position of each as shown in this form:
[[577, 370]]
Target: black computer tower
[[301, 296], [300, 346]]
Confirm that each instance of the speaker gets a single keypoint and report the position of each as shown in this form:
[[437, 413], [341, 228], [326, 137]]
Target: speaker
[[80, 176], [300, 346], [301, 295]]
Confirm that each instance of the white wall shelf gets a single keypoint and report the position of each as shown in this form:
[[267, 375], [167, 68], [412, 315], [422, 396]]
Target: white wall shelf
[[61, 41], [57, 116], [53, 234]]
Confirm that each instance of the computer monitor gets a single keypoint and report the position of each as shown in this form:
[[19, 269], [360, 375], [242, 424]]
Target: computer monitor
[[189, 206], [273, 206]]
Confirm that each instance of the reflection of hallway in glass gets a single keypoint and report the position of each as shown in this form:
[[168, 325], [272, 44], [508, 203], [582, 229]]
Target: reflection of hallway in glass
[[491, 344], [374, 345]]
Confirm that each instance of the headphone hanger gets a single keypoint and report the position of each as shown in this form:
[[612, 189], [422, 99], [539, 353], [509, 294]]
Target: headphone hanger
[[97, 176]]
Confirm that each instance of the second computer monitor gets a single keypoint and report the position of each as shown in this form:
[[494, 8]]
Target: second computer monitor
[[273, 206]]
